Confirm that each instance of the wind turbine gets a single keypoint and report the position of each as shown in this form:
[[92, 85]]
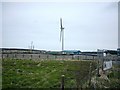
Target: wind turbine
[[62, 34]]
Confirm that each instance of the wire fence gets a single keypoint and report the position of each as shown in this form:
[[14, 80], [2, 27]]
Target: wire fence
[[79, 79]]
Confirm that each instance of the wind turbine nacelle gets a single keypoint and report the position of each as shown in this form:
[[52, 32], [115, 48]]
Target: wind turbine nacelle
[[62, 28]]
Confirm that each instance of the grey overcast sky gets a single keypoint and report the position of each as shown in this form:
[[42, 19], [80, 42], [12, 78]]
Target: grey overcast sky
[[88, 25]]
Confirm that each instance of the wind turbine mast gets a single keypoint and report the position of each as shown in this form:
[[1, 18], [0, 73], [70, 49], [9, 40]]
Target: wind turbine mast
[[62, 34]]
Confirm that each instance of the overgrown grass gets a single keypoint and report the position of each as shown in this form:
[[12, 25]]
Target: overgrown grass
[[114, 76], [110, 79], [18, 73]]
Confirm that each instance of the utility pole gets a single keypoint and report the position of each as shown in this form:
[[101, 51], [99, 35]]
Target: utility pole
[[31, 45]]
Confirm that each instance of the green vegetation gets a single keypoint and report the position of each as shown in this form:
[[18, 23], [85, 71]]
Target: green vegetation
[[114, 77], [18, 73], [109, 79]]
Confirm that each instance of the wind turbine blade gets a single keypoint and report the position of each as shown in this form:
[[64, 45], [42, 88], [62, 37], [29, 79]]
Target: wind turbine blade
[[60, 35], [61, 23]]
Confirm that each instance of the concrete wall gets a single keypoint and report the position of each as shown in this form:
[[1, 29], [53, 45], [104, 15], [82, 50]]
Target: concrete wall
[[45, 56], [57, 57]]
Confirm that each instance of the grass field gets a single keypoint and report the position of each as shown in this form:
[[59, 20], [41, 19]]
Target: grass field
[[18, 73]]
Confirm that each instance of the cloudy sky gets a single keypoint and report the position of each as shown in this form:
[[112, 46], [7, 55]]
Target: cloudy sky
[[88, 25]]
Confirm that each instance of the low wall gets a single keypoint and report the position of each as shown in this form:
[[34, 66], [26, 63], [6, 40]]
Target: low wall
[[46, 56]]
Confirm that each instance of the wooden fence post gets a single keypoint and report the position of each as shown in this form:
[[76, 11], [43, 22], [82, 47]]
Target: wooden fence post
[[8, 56], [86, 57], [39, 56], [93, 57], [47, 57], [72, 57], [90, 74], [78, 57], [31, 56], [55, 57], [2, 56], [62, 82], [23, 55], [98, 68], [102, 63], [12, 56], [15, 56]]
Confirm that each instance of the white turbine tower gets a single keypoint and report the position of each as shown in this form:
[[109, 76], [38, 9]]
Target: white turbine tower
[[62, 34]]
